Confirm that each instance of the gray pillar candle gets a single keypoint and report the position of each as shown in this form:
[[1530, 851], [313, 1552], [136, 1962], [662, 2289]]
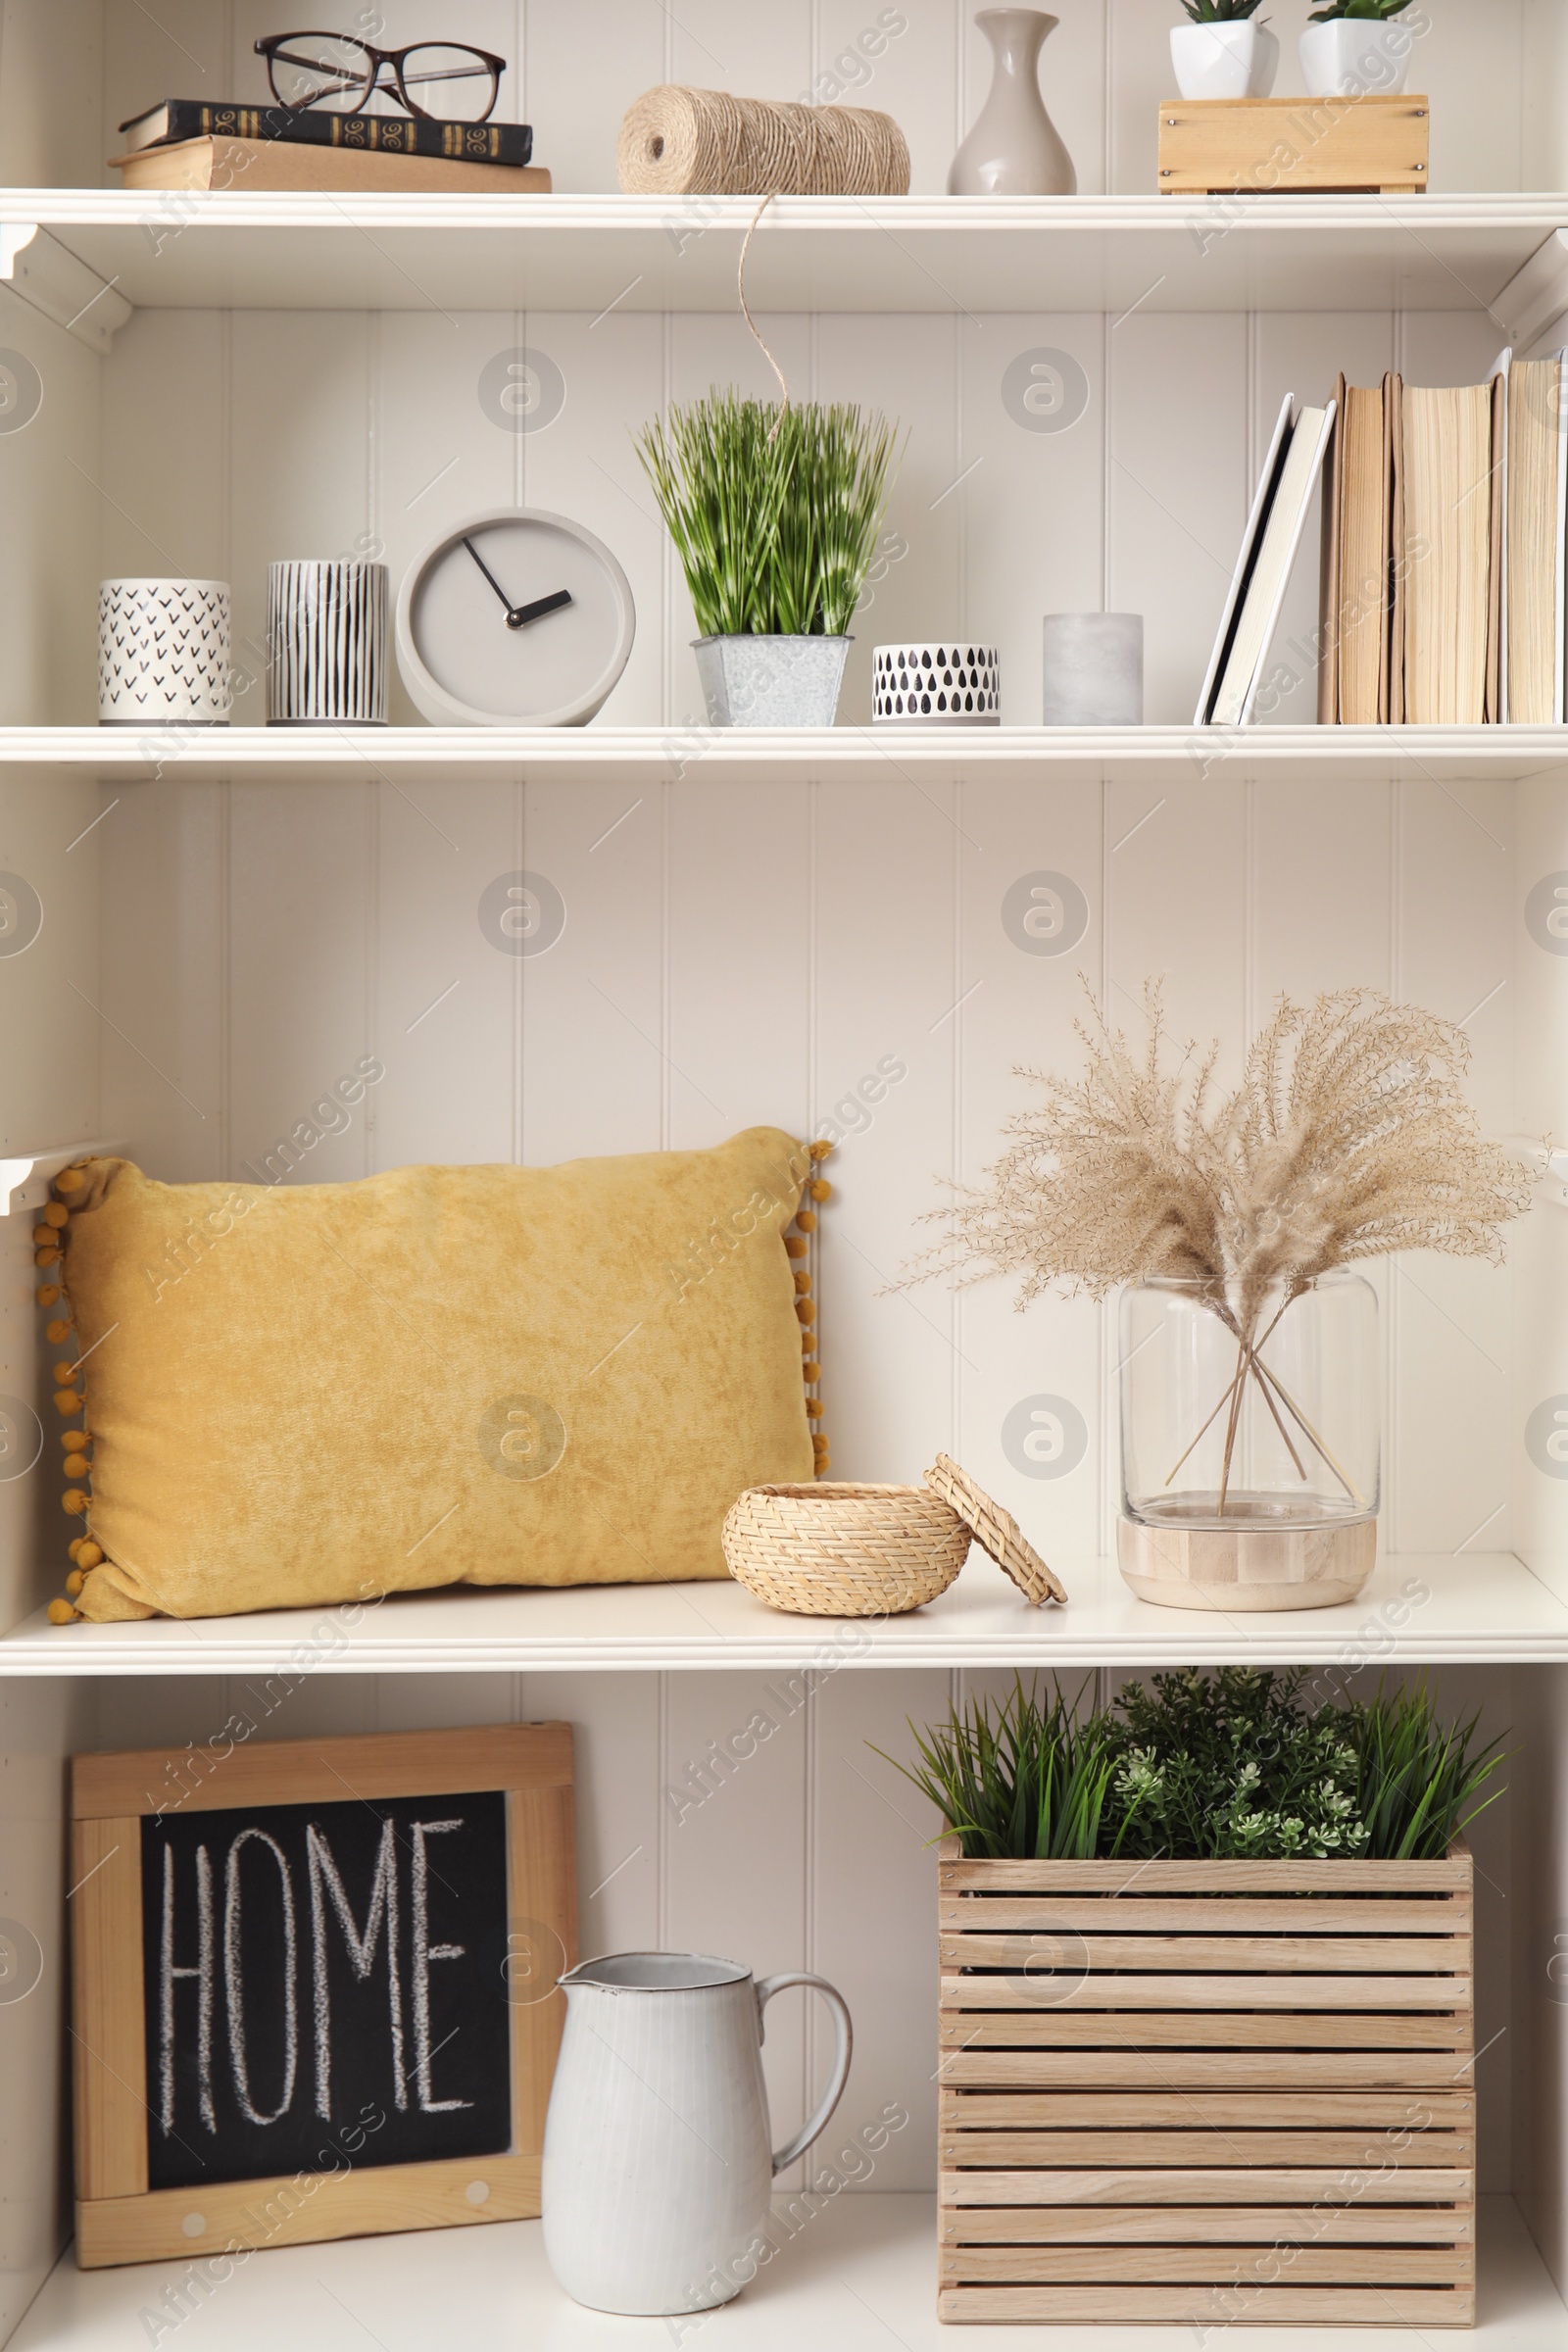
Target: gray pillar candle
[[1094, 670]]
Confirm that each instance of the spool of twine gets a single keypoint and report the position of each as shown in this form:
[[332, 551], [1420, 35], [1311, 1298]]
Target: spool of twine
[[677, 141]]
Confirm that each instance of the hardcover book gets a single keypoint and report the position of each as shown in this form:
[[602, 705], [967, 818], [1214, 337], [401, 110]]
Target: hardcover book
[[178, 118], [1273, 533], [1452, 552], [1533, 567], [271, 165]]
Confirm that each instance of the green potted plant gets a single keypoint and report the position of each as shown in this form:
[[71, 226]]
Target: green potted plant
[[775, 513], [1206, 2013], [1223, 51], [1356, 49]]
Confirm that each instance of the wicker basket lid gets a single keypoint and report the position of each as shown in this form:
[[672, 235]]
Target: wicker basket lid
[[995, 1531]]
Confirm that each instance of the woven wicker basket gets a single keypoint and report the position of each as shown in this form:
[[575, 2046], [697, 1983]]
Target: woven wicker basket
[[840, 1550]]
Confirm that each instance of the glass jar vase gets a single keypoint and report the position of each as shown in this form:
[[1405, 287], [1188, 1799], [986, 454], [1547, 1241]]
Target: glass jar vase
[[1250, 1441]]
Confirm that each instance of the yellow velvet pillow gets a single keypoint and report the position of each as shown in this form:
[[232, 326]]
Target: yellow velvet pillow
[[483, 1375]]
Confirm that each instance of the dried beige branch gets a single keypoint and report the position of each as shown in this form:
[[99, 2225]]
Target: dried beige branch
[[1349, 1137]]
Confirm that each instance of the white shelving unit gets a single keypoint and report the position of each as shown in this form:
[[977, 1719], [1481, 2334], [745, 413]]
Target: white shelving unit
[[754, 921]]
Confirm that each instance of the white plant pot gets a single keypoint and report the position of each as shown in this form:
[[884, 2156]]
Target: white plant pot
[[1355, 59], [163, 653], [770, 681], [1224, 60]]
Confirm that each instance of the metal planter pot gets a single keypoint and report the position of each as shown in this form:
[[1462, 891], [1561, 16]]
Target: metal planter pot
[[770, 681]]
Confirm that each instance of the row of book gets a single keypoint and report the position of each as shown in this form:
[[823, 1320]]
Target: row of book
[[1445, 521], [190, 143]]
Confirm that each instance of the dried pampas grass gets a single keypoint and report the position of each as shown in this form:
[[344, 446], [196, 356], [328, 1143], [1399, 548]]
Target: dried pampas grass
[[1349, 1137]]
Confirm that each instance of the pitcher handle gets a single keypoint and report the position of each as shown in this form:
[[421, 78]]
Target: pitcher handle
[[814, 2125]]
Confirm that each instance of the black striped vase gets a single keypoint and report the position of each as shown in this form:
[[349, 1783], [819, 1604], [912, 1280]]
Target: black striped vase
[[326, 642]]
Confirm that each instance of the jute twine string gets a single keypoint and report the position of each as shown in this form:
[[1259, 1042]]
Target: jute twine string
[[740, 288], [677, 141]]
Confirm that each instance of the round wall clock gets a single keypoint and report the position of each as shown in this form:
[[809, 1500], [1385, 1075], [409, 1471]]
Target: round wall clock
[[515, 617]]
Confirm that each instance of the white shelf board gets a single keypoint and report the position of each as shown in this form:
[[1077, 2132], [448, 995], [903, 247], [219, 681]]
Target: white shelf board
[[464, 252], [860, 2271], [1420, 1608], [432, 755]]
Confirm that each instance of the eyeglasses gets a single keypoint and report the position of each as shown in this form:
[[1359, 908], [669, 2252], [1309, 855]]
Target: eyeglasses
[[336, 72]]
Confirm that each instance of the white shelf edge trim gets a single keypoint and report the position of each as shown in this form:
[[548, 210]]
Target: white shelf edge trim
[[39, 269], [683, 748], [610, 210], [1420, 1608]]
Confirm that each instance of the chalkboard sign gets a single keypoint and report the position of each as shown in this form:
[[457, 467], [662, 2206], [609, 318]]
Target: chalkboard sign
[[310, 1968], [314, 1985]]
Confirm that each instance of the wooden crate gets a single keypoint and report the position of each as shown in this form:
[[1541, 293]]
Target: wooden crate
[[1208, 2093], [1293, 146]]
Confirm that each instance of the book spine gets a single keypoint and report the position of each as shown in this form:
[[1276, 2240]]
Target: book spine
[[367, 135]]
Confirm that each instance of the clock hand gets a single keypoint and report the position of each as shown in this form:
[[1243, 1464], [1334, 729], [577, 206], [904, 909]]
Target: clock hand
[[519, 615], [490, 576]]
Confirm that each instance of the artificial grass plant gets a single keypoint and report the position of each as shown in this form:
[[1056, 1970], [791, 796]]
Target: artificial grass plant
[[1234, 1767], [774, 510]]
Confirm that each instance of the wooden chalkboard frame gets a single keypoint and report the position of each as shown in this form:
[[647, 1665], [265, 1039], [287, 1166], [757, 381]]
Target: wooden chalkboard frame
[[119, 2218]]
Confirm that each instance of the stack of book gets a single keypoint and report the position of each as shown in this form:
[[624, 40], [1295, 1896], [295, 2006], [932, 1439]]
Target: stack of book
[[1423, 578], [1444, 582], [188, 143]]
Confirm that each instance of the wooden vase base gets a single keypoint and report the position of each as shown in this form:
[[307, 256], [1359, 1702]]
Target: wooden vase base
[[1246, 1568]]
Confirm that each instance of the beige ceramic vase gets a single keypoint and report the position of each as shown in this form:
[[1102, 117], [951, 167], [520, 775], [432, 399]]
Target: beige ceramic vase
[[1014, 149]]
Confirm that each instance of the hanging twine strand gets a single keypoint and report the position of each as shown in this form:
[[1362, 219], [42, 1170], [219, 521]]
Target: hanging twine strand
[[677, 141], [740, 288]]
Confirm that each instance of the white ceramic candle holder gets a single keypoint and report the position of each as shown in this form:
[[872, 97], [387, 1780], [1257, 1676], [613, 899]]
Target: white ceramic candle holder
[[1094, 670], [326, 642], [163, 653], [946, 685]]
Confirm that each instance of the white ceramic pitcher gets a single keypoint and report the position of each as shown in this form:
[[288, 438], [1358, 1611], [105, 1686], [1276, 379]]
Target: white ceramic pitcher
[[656, 2165]]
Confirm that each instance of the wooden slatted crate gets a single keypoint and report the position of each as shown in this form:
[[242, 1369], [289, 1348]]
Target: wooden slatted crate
[[1208, 2093]]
